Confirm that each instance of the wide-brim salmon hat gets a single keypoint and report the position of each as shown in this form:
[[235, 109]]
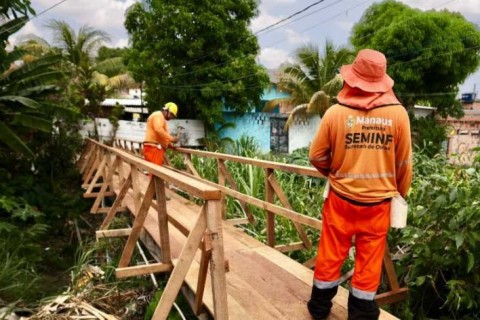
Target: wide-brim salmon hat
[[368, 72]]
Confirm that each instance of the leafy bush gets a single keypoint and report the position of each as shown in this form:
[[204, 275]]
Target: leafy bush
[[442, 261]]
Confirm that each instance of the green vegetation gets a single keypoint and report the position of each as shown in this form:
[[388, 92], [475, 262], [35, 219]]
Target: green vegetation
[[437, 255], [429, 53], [204, 55]]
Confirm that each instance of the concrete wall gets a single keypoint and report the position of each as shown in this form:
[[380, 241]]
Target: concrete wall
[[257, 125], [302, 131], [191, 130]]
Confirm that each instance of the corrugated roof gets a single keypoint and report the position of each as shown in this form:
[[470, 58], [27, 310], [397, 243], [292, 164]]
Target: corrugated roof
[[123, 102]]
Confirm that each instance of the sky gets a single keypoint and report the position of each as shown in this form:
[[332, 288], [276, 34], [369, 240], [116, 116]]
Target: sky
[[325, 20]]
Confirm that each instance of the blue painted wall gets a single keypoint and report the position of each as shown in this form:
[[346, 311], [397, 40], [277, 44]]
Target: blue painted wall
[[256, 125]]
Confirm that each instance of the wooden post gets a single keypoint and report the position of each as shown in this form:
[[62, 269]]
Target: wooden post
[[217, 261], [270, 197], [162, 220], [202, 273], [221, 181], [137, 197], [180, 271]]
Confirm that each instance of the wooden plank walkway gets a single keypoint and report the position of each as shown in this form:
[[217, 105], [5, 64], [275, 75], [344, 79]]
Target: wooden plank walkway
[[262, 283]]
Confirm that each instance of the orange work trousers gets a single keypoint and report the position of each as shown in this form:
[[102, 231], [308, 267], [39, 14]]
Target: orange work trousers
[[153, 154], [341, 221]]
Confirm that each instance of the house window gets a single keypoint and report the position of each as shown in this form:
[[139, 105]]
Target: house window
[[475, 132], [463, 132]]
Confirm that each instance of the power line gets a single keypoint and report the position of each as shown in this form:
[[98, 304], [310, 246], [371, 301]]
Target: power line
[[290, 16], [250, 55], [34, 17], [267, 27]]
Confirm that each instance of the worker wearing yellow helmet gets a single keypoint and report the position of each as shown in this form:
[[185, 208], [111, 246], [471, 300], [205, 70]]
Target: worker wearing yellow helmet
[[157, 137]]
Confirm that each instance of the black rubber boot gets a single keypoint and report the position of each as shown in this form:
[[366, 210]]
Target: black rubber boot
[[360, 309], [321, 302]]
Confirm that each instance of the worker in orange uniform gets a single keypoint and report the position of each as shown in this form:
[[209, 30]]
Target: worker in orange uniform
[[157, 138], [363, 146]]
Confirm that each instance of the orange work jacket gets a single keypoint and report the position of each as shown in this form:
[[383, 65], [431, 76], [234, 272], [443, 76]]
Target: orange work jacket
[[157, 130], [365, 151]]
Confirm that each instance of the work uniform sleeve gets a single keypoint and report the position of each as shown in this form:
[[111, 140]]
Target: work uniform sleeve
[[403, 155], [320, 149], [160, 126]]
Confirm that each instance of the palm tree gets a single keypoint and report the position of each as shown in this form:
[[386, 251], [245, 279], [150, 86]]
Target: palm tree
[[313, 81], [93, 80]]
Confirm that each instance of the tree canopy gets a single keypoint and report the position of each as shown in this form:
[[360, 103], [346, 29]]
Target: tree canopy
[[199, 54], [429, 53]]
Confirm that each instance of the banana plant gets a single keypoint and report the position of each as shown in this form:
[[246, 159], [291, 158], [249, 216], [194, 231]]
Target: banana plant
[[23, 86]]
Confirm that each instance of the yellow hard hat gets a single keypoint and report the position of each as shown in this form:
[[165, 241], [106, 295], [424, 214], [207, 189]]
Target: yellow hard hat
[[172, 107]]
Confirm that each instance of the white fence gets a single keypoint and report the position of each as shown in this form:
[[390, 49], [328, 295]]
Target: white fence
[[190, 130]]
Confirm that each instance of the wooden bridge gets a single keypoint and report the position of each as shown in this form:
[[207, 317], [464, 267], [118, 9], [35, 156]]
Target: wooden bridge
[[224, 272]]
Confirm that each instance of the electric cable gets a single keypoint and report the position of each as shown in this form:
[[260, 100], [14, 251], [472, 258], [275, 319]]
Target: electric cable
[[34, 17]]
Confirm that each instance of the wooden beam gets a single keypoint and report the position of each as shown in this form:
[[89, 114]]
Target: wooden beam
[[202, 273], [113, 210], [233, 185], [137, 198], [392, 296], [182, 181], [106, 183], [221, 181], [217, 261], [309, 171], [91, 171], [113, 233], [143, 269], [235, 222], [188, 162], [390, 269], [86, 157], [137, 225], [290, 247], [162, 217], [270, 198], [95, 194], [107, 209], [180, 271], [96, 185], [97, 175], [284, 200], [292, 215]]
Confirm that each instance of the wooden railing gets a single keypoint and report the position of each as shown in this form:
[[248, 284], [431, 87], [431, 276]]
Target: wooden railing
[[117, 168], [272, 189]]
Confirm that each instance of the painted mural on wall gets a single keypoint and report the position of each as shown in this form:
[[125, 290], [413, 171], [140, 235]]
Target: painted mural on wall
[[460, 148]]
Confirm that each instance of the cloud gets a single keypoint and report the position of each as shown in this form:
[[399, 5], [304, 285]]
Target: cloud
[[271, 58], [105, 15], [469, 8], [263, 20], [295, 38], [30, 28], [121, 43]]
